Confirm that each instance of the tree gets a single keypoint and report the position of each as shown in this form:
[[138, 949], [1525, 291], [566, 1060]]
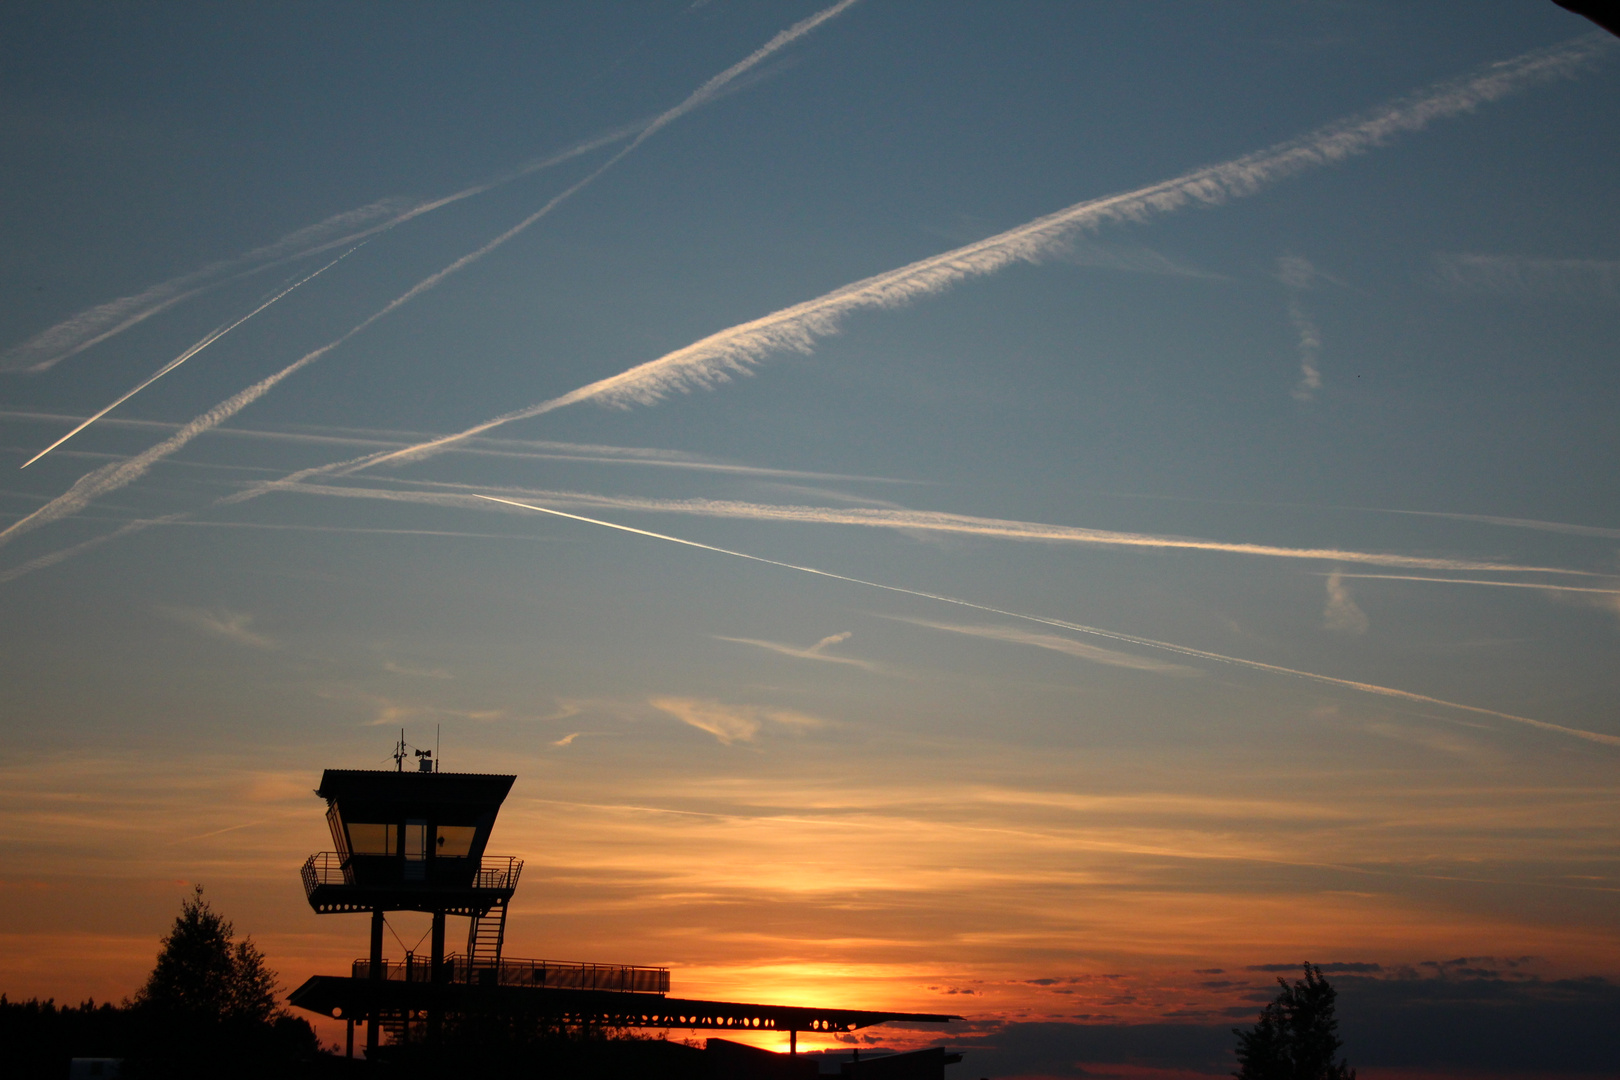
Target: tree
[[204, 974], [1296, 1036], [209, 1008]]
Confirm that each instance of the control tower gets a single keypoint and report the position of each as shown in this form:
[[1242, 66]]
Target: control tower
[[415, 841]]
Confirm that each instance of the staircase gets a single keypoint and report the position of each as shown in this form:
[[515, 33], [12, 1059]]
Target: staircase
[[484, 939]]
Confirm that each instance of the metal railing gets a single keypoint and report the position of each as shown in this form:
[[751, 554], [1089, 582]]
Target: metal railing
[[498, 872], [325, 868], [552, 974], [331, 868]]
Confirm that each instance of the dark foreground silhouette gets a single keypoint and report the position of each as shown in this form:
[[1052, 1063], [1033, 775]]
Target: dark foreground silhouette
[[1296, 1036], [208, 1008]]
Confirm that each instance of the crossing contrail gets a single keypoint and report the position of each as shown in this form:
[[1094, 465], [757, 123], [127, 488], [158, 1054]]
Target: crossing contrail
[[211, 337], [97, 324], [1079, 628], [736, 350], [112, 477]]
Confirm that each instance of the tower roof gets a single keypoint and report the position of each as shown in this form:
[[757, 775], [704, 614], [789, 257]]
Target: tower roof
[[386, 786]]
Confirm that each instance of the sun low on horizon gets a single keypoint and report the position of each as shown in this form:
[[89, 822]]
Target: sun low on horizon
[[1054, 514]]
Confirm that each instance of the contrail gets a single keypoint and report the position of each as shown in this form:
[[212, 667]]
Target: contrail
[[928, 521], [129, 528], [1111, 635], [1512, 523], [95, 325], [1475, 581], [1056, 643], [112, 477], [211, 337], [737, 350], [54, 557]]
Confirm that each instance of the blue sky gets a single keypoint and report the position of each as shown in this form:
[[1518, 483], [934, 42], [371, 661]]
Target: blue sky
[[1326, 452]]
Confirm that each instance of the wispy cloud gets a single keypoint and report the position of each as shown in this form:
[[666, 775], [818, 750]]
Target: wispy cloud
[[1528, 278], [1297, 274], [737, 349], [391, 711], [730, 723], [1340, 612], [112, 477], [919, 520], [1068, 646], [1110, 635], [224, 624], [414, 672], [818, 651]]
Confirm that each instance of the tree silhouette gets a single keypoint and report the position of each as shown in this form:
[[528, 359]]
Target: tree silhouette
[[202, 973], [1296, 1036], [210, 1005]]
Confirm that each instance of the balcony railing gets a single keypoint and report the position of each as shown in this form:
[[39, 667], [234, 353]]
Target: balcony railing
[[555, 974], [330, 868]]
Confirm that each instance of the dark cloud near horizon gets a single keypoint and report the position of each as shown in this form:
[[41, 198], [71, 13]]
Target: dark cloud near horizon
[[1351, 967], [1524, 1024]]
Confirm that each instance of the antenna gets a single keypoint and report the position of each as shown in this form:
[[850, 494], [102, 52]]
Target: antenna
[[437, 760], [399, 753]]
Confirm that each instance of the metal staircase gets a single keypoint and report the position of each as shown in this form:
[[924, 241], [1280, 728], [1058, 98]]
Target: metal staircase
[[485, 936]]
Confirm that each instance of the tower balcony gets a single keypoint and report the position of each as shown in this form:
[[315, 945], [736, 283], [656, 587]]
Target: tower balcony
[[455, 886]]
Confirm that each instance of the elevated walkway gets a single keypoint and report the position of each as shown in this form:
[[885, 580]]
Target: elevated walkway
[[514, 971], [338, 996]]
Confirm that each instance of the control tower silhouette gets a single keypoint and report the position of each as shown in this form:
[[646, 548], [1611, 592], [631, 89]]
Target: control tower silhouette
[[415, 841]]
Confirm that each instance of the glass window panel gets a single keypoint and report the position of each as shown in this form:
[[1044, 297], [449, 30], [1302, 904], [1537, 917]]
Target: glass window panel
[[371, 839], [416, 839], [455, 841], [335, 823]]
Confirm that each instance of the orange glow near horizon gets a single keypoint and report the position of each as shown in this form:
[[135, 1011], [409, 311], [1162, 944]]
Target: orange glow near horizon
[[995, 902]]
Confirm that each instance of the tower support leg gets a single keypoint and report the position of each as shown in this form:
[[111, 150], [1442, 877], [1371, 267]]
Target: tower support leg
[[437, 975], [376, 977]]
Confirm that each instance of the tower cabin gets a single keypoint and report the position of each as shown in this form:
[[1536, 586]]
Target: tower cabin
[[411, 841]]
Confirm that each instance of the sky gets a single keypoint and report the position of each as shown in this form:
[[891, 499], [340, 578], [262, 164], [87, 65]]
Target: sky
[[1052, 513]]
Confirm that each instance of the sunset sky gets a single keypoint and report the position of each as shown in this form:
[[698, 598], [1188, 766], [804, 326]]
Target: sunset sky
[[1144, 475]]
